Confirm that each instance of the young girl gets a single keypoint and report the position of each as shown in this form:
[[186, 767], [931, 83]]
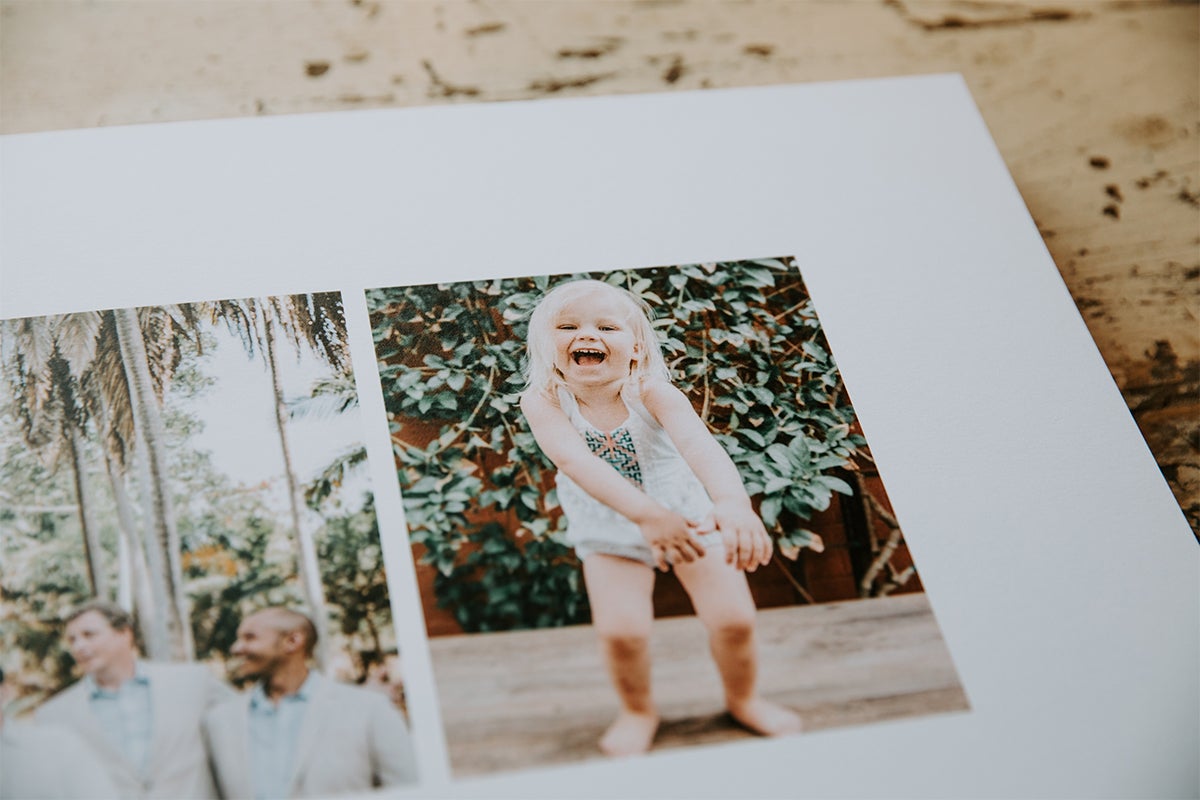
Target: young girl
[[643, 484]]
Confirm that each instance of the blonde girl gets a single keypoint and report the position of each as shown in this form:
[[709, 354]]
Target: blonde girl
[[643, 484]]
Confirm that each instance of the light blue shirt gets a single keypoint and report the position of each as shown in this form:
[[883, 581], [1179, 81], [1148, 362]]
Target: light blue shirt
[[126, 714], [274, 731]]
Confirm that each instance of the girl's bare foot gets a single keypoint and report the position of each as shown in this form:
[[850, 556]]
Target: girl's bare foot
[[766, 718], [630, 734]]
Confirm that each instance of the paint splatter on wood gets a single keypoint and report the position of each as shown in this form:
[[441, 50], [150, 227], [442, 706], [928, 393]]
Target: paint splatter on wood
[[485, 29], [553, 85], [441, 88]]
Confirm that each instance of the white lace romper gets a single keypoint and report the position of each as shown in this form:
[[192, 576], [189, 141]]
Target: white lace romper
[[640, 449]]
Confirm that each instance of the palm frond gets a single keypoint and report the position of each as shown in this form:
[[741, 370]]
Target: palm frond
[[106, 383], [75, 336], [334, 475], [328, 397]]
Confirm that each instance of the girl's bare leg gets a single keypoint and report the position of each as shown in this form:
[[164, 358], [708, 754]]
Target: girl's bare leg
[[620, 592], [722, 600]]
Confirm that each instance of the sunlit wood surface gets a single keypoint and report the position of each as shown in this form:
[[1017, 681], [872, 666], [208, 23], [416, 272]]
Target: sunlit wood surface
[[532, 698], [1094, 104]]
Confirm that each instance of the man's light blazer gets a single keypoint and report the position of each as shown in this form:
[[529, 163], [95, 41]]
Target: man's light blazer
[[177, 765], [350, 740], [50, 762]]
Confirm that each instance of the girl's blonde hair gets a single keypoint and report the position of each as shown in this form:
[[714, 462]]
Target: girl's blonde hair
[[540, 373]]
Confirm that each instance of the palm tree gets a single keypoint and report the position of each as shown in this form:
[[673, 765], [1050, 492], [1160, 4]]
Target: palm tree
[[111, 368], [45, 356], [328, 397], [315, 322], [73, 432], [164, 552], [110, 398], [135, 590]]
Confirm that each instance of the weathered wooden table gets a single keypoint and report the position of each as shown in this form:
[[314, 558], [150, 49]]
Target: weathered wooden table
[[535, 698], [1095, 106]]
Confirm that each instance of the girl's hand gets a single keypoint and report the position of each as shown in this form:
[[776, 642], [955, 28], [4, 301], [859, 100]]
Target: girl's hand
[[670, 538], [747, 543]]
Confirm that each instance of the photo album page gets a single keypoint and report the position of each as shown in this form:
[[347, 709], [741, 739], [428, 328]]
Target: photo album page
[[737, 443]]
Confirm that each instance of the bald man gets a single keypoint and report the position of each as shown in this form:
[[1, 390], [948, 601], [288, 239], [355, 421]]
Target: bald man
[[298, 733]]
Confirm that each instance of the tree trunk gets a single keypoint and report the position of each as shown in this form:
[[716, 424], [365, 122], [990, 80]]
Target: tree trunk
[[93, 553], [157, 563], [165, 549], [124, 570], [139, 596], [124, 515], [376, 643], [306, 550]]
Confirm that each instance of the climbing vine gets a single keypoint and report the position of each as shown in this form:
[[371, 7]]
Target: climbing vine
[[743, 342]]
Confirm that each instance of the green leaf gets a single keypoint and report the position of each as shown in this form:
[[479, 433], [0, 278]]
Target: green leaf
[[753, 436], [779, 454], [777, 484], [769, 511], [836, 484], [726, 373], [814, 350]]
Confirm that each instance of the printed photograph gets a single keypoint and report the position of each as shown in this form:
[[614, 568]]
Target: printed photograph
[[644, 516], [193, 602]]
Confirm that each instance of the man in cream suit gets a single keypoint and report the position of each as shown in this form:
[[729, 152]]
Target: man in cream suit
[[34, 762], [298, 733], [142, 719]]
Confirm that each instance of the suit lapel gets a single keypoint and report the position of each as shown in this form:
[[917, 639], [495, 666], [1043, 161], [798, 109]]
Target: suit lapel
[[94, 734], [161, 697], [231, 732], [306, 740], [91, 729], [226, 736]]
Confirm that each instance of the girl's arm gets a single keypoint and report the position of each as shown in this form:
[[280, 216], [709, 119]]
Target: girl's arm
[[668, 534], [747, 544]]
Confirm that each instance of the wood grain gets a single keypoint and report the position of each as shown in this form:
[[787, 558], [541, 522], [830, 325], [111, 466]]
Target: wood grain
[[534, 698], [1094, 105]]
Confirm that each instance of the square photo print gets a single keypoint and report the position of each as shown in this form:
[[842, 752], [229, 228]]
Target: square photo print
[[192, 594], [644, 516]]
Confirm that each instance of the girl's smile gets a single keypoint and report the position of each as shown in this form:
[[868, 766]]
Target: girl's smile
[[587, 355], [593, 341]]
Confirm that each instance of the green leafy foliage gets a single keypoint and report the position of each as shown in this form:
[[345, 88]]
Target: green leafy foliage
[[43, 571], [230, 575], [743, 342], [234, 542]]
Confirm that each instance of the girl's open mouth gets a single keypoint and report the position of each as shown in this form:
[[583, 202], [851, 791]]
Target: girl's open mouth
[[587, 358]]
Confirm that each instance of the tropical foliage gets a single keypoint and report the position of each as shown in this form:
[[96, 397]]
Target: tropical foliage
[[105, 493], [742, 340]]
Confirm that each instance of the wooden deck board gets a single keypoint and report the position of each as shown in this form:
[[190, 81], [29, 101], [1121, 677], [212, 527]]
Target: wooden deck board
[[535, 698]]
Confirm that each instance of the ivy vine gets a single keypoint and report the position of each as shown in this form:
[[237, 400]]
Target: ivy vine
[[743, 342]]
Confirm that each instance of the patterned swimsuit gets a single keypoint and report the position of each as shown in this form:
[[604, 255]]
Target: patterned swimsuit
[[640, 450]]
